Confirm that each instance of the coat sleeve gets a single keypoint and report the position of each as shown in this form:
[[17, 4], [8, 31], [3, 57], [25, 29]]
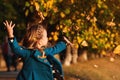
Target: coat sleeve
[[60, 46], [18, 50]]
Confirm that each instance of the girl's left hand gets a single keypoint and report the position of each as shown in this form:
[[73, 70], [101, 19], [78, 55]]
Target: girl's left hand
[[9, 27], [68, 42]]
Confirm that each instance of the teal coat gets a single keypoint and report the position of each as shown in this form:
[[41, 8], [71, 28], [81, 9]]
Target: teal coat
[[34, 67]]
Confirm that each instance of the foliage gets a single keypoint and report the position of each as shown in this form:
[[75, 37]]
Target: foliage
[[12, 10], [96, 21]]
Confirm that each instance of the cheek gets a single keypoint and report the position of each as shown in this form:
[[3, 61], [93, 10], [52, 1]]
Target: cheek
[[38, 44], [45, 41]]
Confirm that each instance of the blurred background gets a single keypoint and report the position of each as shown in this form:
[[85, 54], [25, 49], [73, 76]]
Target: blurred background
[[93, 26]]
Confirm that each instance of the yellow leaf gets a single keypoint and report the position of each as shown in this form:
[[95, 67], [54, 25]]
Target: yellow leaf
[[94, 46], [82, 14], [56, 33], [117, 50], [79, 39], [55, 9], [26, 12], [31, 2], [107, 46], [78, 20], [65, 29], [55, 38], [72, 1], [57, 27], [76, 46], [72, 32], [50, 38], [67, 11], [45, 5], [52, 33], [103, 52], [93, 8], [84, 43], [36, 6], [105, 6], [61, 26], [106, 39], [112, 35], [62, 14], [60, 0], [27, 4], [49, 4], [45, 14], [108, 31]]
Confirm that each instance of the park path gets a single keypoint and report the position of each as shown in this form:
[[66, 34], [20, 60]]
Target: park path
[[8, 75], [4, 75]]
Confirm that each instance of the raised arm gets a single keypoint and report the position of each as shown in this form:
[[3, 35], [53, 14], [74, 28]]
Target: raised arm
[[60, 46], [12, 40], [9, 27]]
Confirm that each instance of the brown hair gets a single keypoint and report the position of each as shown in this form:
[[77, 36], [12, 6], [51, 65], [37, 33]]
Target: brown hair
[[33, 33]]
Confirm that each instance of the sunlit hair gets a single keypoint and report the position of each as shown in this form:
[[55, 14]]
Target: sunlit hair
[[33, 33]]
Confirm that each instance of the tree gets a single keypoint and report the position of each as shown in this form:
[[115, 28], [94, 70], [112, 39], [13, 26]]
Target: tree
[[96, 21], [12, 10]]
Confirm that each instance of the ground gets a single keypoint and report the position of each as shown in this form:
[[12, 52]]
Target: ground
[[97, 69]]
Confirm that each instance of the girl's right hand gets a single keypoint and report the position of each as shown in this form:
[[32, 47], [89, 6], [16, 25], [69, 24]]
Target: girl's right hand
[[9, 26]]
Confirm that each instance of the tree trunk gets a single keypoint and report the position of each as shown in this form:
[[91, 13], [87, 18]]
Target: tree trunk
[[68, 57], [84, 56], [74, 55]]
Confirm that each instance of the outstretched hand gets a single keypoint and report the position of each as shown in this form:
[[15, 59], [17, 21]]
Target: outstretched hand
[[68, 42], [9, 26]]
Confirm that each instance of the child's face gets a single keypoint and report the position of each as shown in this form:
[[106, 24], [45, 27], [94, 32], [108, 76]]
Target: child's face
[[43, 41]]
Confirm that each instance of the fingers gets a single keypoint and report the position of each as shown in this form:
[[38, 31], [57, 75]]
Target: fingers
[[4, 23], [7, 24], [13, 25], [68, 41], [10, 23]]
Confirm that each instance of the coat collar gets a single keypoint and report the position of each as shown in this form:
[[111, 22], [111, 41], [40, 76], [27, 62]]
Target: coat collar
[[38, 56]]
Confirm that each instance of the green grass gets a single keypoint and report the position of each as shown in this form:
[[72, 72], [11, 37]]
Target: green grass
[[98, 69]]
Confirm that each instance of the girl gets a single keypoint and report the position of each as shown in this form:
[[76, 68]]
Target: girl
[[38, 61]]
